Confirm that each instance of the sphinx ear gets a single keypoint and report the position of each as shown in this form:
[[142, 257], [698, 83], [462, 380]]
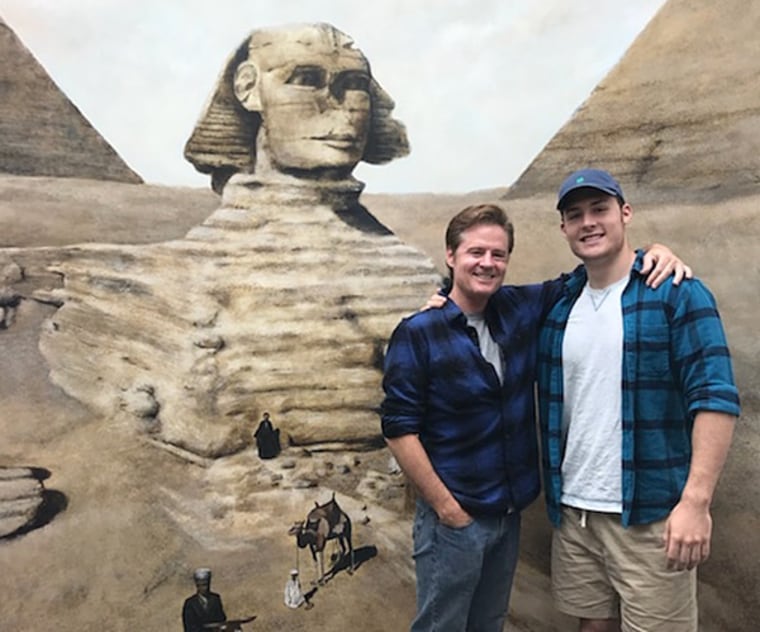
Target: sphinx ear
[[245, 84]]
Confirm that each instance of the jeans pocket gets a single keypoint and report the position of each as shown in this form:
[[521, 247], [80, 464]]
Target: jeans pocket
[[456, 538], [441, 525]]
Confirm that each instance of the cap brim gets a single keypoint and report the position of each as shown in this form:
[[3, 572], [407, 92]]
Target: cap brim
[[561, 201]]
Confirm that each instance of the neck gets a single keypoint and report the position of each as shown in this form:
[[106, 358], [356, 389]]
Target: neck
[[469, 305], [604, 272], [251, 190]]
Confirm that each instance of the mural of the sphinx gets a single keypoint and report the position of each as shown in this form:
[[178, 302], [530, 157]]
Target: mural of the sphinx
[[283, 298], [191, 379]]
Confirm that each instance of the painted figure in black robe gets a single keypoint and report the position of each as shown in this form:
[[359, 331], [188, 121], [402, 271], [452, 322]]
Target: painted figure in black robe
[[267, 438]]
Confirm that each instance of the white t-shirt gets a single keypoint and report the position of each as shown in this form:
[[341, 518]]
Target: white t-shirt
[[592, 367]]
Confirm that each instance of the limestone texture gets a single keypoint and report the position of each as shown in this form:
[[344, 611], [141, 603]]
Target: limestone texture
[[21, 496], [282, 300]]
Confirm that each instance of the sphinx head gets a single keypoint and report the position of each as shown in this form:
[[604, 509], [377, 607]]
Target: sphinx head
[[299, 100]]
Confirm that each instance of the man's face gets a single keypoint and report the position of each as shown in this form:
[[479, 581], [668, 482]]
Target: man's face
[[203, 586], [594, 224], [315, 106], [479, 262]]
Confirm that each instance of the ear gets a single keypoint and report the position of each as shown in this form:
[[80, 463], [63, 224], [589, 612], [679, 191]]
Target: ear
[[627, 213], [245, 84], [449, 257]]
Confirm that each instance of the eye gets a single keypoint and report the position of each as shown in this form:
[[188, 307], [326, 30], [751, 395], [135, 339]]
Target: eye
[[354, 80], [307, 76]]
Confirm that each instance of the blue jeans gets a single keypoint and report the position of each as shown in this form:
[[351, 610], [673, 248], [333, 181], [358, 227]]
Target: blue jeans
[[464, 576]]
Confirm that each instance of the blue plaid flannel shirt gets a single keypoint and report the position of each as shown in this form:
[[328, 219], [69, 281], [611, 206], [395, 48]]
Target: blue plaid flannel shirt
[[480, 435], [675, 363]]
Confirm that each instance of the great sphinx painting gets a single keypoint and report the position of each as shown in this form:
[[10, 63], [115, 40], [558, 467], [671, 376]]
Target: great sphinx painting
[[201, 399], [266, 305]]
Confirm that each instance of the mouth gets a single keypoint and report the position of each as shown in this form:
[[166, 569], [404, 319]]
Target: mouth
[[485, 276], [338, 141], [592, 239]]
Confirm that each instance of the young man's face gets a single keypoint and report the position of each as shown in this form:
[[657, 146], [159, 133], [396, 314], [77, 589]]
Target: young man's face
[[594, 223], [479, 262]]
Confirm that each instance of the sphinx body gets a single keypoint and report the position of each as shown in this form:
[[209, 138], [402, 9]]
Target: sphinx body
[[282, 300]]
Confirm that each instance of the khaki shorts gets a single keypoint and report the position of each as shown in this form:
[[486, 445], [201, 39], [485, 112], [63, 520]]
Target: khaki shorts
[[604, 571]]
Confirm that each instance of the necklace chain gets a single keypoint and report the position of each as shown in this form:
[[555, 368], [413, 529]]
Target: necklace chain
[[598, 297]]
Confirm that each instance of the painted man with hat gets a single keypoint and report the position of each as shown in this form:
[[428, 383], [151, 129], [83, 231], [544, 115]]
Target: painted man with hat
[[204, 606]]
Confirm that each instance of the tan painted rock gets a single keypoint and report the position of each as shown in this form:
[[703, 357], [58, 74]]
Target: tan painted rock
[[21, 496]]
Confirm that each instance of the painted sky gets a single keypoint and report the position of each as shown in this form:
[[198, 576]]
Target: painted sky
[[481, 85]]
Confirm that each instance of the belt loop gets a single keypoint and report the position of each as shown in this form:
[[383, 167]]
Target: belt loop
[[584, 518]]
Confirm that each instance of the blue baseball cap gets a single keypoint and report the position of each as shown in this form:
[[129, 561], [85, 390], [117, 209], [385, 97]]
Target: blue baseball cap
[[589, 178]]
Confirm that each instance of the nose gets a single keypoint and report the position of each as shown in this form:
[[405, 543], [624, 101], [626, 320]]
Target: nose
[[337, 91], [487, 259], [589, 219], [329, 98]]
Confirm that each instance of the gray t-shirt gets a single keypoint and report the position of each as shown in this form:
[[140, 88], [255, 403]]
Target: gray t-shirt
[[488, 347]]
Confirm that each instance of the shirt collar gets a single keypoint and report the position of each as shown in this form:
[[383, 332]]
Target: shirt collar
[[454, 314], [575, 281]]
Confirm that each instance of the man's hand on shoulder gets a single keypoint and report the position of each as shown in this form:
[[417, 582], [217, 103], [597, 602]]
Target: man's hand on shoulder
[[660, 262], [436, 301]]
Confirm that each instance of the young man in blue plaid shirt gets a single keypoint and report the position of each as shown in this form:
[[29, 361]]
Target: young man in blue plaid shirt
[[459, 417], [637, 407]]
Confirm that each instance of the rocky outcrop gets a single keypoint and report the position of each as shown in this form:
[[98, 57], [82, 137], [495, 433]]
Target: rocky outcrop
[[21, 496], [282, 300], [44, 134], [678, 118]]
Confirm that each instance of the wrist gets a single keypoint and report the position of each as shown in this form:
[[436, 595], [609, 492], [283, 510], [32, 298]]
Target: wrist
[[696, 498], [447, 509]]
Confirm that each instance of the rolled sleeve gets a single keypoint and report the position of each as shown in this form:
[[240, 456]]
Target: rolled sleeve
[[704, 360], [404, 383]]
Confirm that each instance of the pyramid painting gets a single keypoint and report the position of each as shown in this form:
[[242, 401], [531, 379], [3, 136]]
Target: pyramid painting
[[679, 115], [43, 133]]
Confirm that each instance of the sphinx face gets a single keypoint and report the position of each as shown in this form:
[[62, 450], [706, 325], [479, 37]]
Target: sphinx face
[[313, 92]]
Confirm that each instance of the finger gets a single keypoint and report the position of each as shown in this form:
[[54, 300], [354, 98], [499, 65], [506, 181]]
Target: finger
[[678, 274], [689, 273], [686, 557], [705, 552], [695, 559], [659, 274], [666, 536], [672, 554]]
